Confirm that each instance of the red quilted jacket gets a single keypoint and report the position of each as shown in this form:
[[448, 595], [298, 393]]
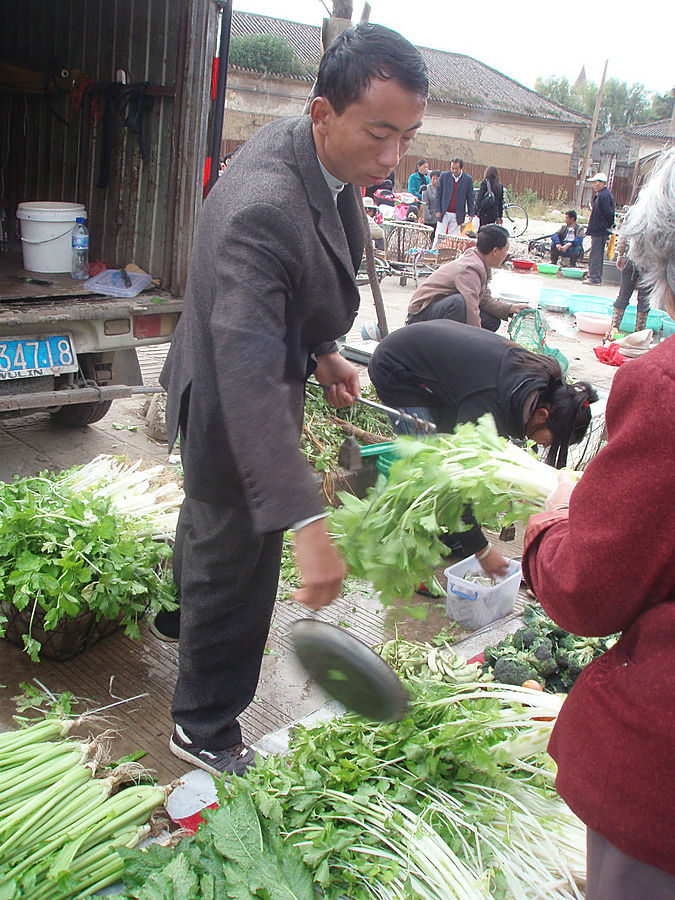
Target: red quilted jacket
[[610, 566]]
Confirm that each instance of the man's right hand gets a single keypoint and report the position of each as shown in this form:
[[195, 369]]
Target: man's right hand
[[321, 568], [439, 216]]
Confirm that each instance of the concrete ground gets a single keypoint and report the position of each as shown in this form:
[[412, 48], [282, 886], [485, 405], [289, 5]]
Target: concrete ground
[[117, 668]]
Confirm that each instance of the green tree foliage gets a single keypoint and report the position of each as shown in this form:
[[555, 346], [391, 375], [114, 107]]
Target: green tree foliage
[[622, 105], [265, 53], [662, 105]]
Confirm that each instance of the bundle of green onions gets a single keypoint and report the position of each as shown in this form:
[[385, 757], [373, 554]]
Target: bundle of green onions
[[59, 823], [391, 538]]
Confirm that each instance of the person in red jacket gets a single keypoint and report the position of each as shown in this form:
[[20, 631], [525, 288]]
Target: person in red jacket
[[600, 560]]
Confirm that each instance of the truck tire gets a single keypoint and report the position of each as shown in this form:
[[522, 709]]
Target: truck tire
[[77, 414]]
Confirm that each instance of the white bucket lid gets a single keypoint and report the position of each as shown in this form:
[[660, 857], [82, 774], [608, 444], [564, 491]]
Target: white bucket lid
[[50, 211]]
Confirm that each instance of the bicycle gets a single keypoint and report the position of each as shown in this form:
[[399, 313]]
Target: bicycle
[[515, 218]]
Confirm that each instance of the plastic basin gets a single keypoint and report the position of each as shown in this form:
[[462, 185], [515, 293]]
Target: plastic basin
[[590, 304], [573, 273], [654, 320], [668, 326], [554, 300], [593, 323], [525, 265], [547, 268]]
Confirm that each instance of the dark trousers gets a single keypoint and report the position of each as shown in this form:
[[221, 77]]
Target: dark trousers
[[612, 875], [573, 253], [453, 307], [630, 276], [227, 578], [596, 257]]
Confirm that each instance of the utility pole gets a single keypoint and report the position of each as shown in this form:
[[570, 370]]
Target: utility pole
[[594, 125]]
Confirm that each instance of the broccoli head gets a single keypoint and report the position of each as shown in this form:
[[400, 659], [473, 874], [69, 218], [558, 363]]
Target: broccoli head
[[524, 637], [491, 655], [513, 670]]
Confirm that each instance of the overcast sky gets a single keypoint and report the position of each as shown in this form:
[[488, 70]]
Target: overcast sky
[[524, 39]]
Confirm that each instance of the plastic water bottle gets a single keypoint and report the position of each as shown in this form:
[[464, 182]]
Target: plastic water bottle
[[80, 243]]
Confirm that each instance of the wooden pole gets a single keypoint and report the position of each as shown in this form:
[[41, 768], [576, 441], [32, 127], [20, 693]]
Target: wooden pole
[[596, 114]]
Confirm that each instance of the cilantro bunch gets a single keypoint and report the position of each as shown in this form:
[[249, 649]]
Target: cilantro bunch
[[63, 552]]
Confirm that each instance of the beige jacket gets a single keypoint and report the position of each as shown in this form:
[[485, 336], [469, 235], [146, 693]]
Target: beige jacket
[[468, 275]]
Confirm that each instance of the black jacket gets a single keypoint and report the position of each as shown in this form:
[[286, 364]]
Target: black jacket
[[458, 371], [602, 213], [493, 211]]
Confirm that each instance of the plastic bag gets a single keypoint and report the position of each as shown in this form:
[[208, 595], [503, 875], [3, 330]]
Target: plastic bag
[[527, 329]]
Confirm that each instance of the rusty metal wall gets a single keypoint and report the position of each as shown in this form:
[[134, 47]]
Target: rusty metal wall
[[59, 141]]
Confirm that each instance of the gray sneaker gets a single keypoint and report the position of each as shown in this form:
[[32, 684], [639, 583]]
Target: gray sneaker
[[231, 761]]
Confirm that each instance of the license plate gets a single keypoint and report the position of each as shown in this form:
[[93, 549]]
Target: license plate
[[30, 357]]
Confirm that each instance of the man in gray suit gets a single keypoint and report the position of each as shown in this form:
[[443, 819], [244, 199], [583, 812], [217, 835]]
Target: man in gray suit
[[271, 286]]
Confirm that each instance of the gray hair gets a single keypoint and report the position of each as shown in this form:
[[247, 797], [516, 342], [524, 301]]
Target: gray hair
[[650, 229]]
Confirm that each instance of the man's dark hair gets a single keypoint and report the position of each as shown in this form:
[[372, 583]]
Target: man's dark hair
[[572, 213], [457, 160], [420, 162], [365, 52], [435, 172], [491, 236]]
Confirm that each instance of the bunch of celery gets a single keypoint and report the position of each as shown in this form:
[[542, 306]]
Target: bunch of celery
[[391, 537], [59, 824]]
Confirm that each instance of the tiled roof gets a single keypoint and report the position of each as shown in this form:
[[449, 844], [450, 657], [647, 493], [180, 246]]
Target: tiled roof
[[453, 77], [658, 129]]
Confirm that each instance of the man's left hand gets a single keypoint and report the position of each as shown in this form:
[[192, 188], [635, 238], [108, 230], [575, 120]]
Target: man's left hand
[[339, 379]]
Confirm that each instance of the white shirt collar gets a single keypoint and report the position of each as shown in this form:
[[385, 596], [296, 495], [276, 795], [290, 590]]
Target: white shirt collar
[[333, 183]]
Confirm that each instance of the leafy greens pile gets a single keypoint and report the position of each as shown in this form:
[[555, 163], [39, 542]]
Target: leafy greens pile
[[67, 547], [543, 651], [456, 801], [391, 537]]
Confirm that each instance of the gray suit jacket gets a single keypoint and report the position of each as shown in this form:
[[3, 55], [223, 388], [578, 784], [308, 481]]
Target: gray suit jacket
[[271, 280]]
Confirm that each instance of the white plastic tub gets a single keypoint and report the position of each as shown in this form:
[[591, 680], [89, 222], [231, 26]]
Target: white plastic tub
[[45, 234], [593, 323], [473, 605]]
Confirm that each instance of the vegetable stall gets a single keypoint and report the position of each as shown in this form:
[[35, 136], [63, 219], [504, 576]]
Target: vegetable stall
[[456, 800]]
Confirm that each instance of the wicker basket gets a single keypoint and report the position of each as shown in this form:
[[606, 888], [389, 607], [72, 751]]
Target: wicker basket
[[69, 637]]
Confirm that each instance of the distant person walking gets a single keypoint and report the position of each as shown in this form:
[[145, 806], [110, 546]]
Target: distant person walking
[[455, 199], [599, 224], [419, 179], [490, 200]]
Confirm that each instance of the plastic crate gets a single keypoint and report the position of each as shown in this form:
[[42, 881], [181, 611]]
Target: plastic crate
[[473, 605]]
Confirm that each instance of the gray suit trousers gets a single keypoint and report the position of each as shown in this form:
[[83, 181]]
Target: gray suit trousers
[[227, 578]]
